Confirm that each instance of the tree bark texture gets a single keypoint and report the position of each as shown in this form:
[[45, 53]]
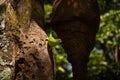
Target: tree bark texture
[[24, 47], [76, 22]]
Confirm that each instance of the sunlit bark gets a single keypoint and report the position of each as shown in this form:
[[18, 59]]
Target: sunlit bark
[[23, 47]]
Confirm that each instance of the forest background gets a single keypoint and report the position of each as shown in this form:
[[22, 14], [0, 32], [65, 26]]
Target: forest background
[[104, 61]]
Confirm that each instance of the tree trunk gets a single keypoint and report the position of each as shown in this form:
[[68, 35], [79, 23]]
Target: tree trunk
[[23, 43], [76, 22]]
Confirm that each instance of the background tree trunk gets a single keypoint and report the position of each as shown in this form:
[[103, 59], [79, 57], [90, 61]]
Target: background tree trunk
[[76, 23], [23, 43]]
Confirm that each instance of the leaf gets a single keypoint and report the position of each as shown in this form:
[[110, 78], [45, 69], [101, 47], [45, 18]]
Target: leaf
[[52, 41]]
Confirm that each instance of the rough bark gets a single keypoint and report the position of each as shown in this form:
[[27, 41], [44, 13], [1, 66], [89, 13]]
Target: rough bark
[[24, 51]]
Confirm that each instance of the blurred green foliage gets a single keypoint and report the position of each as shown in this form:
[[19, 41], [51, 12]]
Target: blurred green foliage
[[48, 8], [62, 71], [62, 65], [100, 69], [109, 36], [109, 32]]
